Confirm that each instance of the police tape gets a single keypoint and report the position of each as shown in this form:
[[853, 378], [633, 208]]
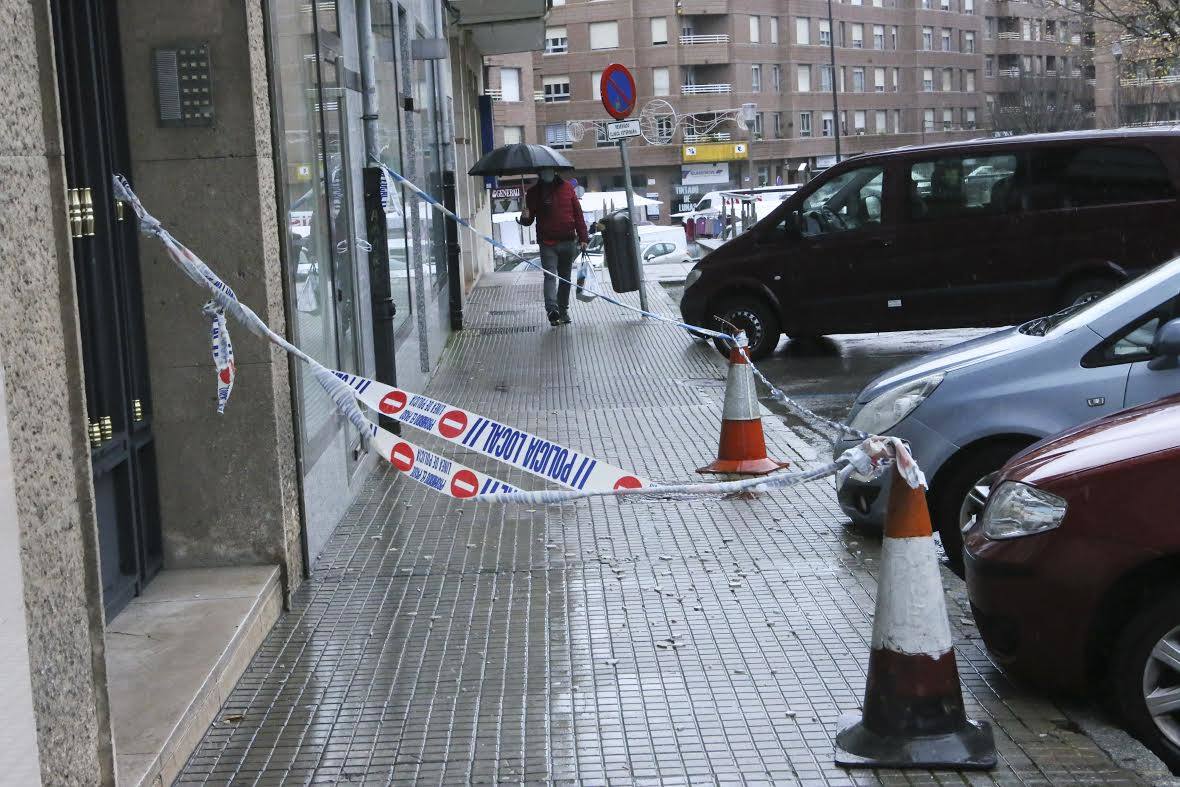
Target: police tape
[[583, 476], [531, 453]]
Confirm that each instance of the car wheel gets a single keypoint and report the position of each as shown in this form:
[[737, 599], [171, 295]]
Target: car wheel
[[752, 315], [1145, 677], [959, 496], [1085, 290]]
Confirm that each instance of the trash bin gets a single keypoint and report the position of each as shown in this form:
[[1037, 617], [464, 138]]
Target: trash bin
[[622, 258]]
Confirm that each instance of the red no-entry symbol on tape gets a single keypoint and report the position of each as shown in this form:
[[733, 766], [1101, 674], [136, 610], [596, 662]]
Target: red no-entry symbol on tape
[[464, 484], [393, 403], [402, 457], [452, 424], [628, 482]]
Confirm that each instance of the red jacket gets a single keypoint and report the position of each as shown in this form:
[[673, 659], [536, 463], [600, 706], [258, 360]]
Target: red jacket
[[555, 208]]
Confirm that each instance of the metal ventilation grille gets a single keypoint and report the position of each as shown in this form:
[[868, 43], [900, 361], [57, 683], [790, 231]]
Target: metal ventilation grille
[[168, 84]]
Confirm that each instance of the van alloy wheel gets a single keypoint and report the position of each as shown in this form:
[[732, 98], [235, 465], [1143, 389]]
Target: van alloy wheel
[[1161, 685], [752, 315]]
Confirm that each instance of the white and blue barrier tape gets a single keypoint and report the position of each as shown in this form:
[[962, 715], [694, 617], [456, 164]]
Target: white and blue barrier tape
[[582, 475]]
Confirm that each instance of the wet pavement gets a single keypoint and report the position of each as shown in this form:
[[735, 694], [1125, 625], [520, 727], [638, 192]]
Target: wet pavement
[[702, 640]]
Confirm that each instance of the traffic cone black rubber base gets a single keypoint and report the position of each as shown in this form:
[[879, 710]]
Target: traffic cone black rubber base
[[970, 747]]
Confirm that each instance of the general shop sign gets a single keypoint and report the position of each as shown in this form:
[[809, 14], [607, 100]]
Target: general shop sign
[[509, 192], [714, 151]]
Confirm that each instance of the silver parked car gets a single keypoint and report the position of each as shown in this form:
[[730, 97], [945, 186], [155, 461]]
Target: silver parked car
[[967, 409]]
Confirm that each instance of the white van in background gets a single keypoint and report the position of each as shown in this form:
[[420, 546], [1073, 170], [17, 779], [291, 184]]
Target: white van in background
[[657, 246]]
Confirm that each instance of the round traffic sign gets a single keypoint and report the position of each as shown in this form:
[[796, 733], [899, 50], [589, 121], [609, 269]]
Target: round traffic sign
[[401, 456], [452, 424], [617, 88], [393, 402], [464, 484]]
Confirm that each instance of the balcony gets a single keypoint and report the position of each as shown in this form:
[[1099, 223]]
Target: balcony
[[1010, 73], [1008, 36], [706, 90], [701, 7], [1171, 79], [503, 27], [696, 40], [495, 94], [716, 136]]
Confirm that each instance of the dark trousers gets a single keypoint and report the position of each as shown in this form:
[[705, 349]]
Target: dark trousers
[[559, 259]]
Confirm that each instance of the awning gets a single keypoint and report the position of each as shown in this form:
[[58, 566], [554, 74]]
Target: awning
[[505, 26]]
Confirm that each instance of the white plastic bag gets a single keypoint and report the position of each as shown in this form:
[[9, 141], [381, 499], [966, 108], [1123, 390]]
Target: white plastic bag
[[588, 287]]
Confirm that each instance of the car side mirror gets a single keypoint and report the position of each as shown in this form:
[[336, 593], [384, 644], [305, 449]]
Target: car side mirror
[[1165, 347]]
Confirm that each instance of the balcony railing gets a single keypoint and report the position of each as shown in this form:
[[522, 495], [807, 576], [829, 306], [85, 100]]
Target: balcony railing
[[1171, 79], [717, 136], [691, 40], [496, 95], [1008, 36], [1013, 73], [705, 90]]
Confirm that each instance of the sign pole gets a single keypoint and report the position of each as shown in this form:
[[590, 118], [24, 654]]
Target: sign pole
[[631, 215]]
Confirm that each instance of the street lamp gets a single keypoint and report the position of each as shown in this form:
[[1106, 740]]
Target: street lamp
[[1116, 49], [749, 115]]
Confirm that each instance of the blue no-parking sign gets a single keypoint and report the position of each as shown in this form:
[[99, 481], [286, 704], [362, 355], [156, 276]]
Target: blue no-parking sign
[[618, 91]]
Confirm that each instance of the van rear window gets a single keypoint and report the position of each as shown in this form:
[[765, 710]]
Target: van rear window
[[1080, 177]]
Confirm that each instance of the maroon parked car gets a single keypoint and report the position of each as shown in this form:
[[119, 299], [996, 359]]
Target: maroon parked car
[[1073, 567]]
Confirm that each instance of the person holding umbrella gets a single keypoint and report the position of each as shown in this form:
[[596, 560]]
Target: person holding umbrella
[[554, 205], [561, 231]]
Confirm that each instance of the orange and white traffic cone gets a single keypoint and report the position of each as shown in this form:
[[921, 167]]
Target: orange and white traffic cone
[[743, 446], [913, 710]]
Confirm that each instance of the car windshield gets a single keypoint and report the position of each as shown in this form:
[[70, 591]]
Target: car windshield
[[595, 245], [1079, 315]]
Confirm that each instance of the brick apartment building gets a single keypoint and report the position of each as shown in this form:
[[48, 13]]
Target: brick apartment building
[[907, 72]]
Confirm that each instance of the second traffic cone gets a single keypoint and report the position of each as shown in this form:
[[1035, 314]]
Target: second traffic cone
[[743, 446], [913, 710]]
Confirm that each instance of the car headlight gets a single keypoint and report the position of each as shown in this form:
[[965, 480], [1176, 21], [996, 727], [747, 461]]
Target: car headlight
[[1016, 510], [691, 278], [886, 411]]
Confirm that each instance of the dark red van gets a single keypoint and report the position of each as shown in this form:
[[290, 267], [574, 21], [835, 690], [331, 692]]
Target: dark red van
[[980, 233]]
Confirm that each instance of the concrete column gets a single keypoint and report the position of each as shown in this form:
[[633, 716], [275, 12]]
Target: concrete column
[[228, 483], [46, 419]]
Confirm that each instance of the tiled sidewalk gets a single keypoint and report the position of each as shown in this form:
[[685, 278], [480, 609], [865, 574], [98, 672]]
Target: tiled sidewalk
[[699, 640]]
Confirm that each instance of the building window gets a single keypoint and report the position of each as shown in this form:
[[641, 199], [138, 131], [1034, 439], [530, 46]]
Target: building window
[[659, 30], [600, 138], [556, 41], [968, 6], [969, 81], [556, 136], [893, 37], [513, 135], [804, 83], [896, 79], [928, 80], [661, 81], [556, 89], [825, 32], [879, 80], [944, 5], [927, 4], [858, 121], [897, 129], [928, 38], [778, 125], [969, 42], [878, 4], [927, 119], [802, 30], [948, 119], [948, 80], [878, 36], [827, 124], [825, 79], [755, 78], [969, 118], [758, 125], [1026, 29], [946, 39], [989, 66], [879, 121], [776, 77], [755, 31], [596, 85], [858, 80], [604, 35], [858, 36], [774, 29], [805, 124], [510, 84]]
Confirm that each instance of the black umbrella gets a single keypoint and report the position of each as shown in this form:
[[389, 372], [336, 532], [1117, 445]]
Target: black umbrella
[[520, 159]]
